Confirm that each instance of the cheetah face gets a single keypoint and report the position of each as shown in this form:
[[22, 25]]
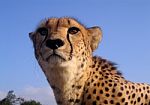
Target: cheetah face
[[59, 40]]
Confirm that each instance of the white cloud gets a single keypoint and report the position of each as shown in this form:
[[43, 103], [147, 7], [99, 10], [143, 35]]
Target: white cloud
[[42, 94], [2, 95]]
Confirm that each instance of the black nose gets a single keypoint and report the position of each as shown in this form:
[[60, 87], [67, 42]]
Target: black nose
[[54, 44]]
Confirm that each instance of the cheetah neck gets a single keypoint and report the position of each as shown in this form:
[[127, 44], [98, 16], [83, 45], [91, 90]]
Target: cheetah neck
[[67, 81]]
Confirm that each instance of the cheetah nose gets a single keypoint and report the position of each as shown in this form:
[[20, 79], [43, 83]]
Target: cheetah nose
[[54, 44]]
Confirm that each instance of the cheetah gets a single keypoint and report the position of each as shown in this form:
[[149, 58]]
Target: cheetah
[[64, 50]]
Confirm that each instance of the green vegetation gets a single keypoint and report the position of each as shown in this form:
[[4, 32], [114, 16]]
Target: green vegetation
[[11, 99]]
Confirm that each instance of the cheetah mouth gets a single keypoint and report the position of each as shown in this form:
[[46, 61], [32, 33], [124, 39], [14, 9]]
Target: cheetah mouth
[[55, 58]]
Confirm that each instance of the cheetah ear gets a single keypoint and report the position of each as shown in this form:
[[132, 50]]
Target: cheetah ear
[[32, 38], [96, 36], [31, 35]]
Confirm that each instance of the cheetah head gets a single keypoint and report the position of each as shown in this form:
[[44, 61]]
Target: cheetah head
[[58, 40], [63, 47]]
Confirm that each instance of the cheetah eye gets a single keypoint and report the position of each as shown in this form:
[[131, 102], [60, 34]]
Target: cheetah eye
[[73, 30], [43, 31]]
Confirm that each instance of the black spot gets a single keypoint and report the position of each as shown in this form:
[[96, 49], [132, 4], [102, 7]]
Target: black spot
[[119, 94], [107, 73], [106, 82], [107, 95], [127, 92], [79, 87], [115, 84], [100, 72], [133, 87], [100, 78], [121, 88], [136, 90], [102, 84], [123, 99], [121, 83], [110, 85], [104, 71], [141, 94], [126, 103], [94, 91], [113, 90], [113, 68], [71, 100], [77, 94], [129, 97], [95, 62], [89, 96], [105, 66], [106, 77], [96, 69], [94, 102], [119, 73], [112, 95], [93, 66], [111, 101], [133, 95], [147, 87], [98, 84], [82, 65], [77, 100], [110, 80], [97, 98], [146, 96], [139, 99], [83, 59], [106, 89], [96, 76], [101, 91], [82, 53], [117, 103], [72, 86], [134, 102], [86, 91], [92, 80], [105, 102]]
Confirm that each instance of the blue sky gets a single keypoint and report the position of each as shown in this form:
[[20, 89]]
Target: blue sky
[[126, 39]]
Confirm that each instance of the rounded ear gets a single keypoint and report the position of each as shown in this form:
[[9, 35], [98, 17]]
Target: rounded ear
[[96, 36], [32, 38], [31, 35]]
